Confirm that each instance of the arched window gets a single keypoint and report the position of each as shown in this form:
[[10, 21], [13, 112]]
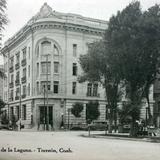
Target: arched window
[[56, 52], [46, 47]]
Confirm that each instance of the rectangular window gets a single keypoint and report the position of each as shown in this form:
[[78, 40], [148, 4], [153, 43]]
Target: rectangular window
[[38, 51], [11, 95], [45, 67], [24, 90], [37, 87], [95, 89], [24, 112], [74, 86], [17, 76], [11, 61], [74, 50], [74, 69], [24, 72], [56, 67], [55, 87], [17, 92], [37, 69], [89, 89], [29, 50], [17, 57], [28, 89], [24, 52], [29, 71], [12, 78]]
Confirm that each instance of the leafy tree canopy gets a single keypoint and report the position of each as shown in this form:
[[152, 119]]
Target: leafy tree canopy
[[77, 109]]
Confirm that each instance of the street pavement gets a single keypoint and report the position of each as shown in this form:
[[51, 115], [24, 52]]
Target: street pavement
[[70, 145]]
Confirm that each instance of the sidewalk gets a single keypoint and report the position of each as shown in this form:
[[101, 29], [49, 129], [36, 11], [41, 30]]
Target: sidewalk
[[122, 136]]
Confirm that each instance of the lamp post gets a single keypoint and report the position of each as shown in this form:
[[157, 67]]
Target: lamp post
[[20, 106], [47, 109], [62, 122], [69, 109]]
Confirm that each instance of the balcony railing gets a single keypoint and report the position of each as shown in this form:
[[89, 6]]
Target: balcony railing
[[23, 79], [11, 85], [23, 62], [17, 66], [11, 69], [92, 95], [17, 98], [23, 95], [17, 82]]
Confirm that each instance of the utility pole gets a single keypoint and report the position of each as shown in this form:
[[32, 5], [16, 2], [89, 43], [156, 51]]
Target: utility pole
[[44, 105], [20, 106], [47, 109]]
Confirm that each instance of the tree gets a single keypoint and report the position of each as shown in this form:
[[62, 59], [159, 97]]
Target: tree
[[150, 33], [92, 111], [132, 41], [96, 69], [3, 22], [3, 17], [2, 104], [77, 109]]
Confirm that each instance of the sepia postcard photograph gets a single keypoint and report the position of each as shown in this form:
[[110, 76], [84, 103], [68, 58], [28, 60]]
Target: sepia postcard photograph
[[79, 80]]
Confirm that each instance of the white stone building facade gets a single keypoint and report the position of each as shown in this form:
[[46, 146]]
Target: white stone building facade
[[50, 42]]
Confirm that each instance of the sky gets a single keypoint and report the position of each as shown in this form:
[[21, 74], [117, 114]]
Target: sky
[[20, 11]]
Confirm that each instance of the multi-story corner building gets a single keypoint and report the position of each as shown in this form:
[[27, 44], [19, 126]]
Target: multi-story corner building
[[51, 42]]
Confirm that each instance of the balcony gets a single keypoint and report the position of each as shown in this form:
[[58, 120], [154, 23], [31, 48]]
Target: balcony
[[23, 79], [17, 98], [17, 82], [23, 62], [92, 95], [24, 96], [11, 69], [11, 85], [17, 66]]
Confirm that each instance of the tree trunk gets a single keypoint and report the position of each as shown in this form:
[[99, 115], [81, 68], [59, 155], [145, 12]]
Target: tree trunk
[[110, 125], [115, 121], [149, 111]]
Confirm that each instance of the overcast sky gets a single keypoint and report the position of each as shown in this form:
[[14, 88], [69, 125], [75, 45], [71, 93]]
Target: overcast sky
[[20, 11]]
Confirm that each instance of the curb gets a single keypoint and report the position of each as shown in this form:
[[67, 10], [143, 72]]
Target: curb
[[152, 140]]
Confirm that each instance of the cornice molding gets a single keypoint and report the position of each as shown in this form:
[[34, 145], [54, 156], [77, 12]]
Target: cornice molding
[[50, 25]]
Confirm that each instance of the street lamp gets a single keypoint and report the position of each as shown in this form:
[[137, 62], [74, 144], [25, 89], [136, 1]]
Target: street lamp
[[62, 122], [47, 116]]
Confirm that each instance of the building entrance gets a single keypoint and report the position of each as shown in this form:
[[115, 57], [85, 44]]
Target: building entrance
[[43, 117]]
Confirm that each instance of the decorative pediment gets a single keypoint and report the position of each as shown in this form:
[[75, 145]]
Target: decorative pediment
[[46, 12]]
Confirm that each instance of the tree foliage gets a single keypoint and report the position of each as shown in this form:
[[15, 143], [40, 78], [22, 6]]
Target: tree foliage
[[2, 104], [77, 109], [92, 111], [96, 68], [132, 40], [3, 17]]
